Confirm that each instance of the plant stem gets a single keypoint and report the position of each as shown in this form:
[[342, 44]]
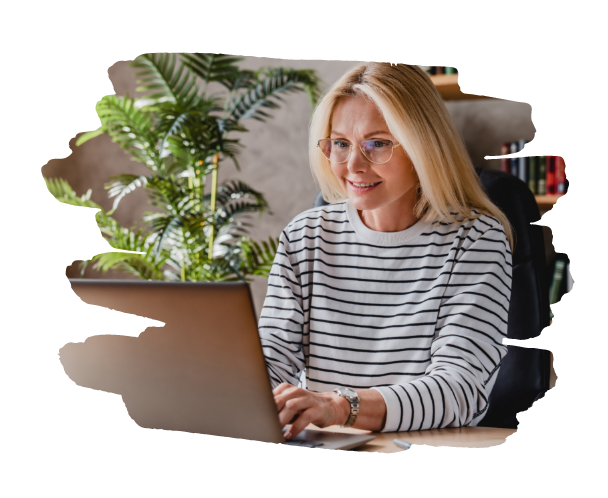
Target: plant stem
[[195, 188], [183, 268], [216, 158], [201, 187]]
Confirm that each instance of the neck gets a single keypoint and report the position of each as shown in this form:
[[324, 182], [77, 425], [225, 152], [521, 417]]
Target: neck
[[393, 217]]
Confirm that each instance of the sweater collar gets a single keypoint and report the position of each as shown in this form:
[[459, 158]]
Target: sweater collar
[[383, 238]]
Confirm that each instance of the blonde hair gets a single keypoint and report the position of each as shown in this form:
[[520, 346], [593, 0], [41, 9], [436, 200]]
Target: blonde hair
[[418, 119]]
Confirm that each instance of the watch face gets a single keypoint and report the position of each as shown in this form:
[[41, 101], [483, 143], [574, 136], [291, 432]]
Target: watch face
[[347, 391]]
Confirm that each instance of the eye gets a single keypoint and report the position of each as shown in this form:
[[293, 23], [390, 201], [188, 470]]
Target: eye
[[340, 143], [379, 144]]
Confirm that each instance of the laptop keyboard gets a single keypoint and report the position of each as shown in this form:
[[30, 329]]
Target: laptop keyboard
[[303, 444], [300, 443]]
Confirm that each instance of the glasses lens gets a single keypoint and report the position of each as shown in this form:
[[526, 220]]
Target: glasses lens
[[337, 151], [377, 151]]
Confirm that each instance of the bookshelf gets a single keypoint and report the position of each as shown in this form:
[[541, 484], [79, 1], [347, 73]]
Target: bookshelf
[[546, 202], [449, 89]]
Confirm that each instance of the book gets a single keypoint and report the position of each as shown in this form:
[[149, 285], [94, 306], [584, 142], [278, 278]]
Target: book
[[449, 70], [533, 174], [514, 161], [522, 170], [439, 70], [550, 182], [560, 175], [505, 162], [544, 175], [541, 184], [556, 282]]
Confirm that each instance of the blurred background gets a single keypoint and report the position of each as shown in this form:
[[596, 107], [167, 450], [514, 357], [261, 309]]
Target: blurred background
[[274, 160]]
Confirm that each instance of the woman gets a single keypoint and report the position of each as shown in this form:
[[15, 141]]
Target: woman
[[396, 295]]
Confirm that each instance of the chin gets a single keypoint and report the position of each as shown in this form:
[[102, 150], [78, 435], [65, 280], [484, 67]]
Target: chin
[[361, 204]]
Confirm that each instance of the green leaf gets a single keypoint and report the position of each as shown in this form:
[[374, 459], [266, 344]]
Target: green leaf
[[164, 79], [240, 78], [141, 266], [258, 261], [125, 184], [266, 248], [233, 190], [131, 128], [216, 67], [63, 192], [266, 92], [85, 137], [189, 123], [147, 265], [164, 227]]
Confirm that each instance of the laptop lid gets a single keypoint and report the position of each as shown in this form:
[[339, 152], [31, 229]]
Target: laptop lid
[[203, 372]]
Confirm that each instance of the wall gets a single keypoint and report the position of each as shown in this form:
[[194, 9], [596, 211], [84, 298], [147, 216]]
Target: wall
[[275, 158]]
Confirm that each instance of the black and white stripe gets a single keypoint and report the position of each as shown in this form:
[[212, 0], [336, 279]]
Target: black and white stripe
[[418, 315]]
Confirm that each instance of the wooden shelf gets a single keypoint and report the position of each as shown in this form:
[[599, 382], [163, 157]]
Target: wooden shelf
[[448, 87], [546, 202]]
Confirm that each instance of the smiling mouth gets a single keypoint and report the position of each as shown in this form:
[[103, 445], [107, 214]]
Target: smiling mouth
[[364, 185]]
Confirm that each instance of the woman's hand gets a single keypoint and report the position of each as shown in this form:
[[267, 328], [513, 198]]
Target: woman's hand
[[301, 407]]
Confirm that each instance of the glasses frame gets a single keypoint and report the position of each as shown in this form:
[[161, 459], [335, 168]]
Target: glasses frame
[[350, 150]]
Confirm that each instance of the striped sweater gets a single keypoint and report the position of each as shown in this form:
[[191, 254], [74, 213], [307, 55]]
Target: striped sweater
[[419, 315]]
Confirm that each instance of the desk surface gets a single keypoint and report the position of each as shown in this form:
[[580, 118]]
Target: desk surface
[[463, 437]]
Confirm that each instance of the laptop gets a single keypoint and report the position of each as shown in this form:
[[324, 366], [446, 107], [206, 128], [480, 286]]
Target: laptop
[[203, 372]]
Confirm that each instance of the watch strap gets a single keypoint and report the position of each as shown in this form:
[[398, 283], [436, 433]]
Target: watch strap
[[354, 406]]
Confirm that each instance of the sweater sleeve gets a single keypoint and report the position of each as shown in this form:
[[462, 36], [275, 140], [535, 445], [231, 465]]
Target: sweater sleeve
[[281, 320], [467, 349]]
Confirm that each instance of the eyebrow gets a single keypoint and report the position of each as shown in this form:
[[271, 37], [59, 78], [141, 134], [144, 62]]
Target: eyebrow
[[377, 132]]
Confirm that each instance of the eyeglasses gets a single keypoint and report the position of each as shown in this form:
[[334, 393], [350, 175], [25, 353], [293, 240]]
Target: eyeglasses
[[338, 151]]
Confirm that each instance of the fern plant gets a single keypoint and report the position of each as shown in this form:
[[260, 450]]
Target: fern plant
[[182, 134]]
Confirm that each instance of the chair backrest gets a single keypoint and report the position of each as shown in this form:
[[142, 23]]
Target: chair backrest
[[524, 374]]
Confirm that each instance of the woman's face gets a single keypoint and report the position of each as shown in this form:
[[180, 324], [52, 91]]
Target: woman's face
[[393, 183]]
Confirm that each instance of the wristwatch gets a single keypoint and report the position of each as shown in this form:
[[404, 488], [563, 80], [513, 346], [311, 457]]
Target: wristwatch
[[353, 398]]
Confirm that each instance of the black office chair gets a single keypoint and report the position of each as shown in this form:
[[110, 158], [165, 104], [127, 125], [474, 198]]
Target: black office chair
[[524, 374]]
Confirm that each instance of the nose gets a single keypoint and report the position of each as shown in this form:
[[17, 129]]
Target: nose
[[357, 162]]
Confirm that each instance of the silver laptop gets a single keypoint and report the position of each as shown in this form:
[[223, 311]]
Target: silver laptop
[[203, 372]]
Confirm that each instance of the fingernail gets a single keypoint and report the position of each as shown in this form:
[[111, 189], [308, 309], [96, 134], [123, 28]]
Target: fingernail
[[288, 435]]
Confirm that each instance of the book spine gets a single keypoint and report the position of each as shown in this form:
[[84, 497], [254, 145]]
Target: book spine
[[550, 183], [521, 168], [558, 275], [439, 70], [533, 174], [505, 162], [514, 162], [542, 176], [560, 175]]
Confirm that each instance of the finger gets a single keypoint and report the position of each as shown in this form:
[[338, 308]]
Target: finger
[[288, 393], [281, 387], [300, 424], [292, 408]]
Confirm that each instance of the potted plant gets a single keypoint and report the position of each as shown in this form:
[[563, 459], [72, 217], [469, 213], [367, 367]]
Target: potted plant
[[182, 134]]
